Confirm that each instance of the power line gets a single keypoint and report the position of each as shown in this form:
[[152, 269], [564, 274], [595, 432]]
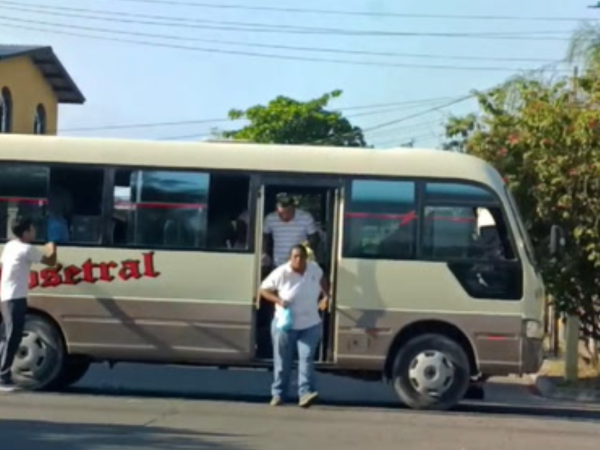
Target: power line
[[404, 129], [419, 114], [355, 13], [254, 27], [145, 125], [405, 104], [396, 140], [343, 51], [383, 111], [20, 6], [392, 122], [64, 26], [185, 136], [412, 116], [291, 30]]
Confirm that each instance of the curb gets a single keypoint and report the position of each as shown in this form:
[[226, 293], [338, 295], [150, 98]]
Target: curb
[[546, 387]]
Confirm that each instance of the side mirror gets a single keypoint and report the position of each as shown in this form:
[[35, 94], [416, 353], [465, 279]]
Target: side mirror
[[558, 241]]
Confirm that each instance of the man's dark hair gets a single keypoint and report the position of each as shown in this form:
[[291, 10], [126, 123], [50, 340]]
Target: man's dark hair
[[284, 200], [301, 248], [21, 225]]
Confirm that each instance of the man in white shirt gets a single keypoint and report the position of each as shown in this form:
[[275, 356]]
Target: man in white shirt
[[17, 257], [300, 286], [286, 227]]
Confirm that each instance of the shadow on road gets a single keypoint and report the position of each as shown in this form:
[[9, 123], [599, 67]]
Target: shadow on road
[[41, 435], [542, 410]]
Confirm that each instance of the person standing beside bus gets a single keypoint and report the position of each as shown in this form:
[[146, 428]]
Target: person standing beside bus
[[286, 227], [17, 257], [301, 286]]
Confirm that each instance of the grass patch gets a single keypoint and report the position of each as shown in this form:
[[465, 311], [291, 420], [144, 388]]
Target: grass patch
[[589, 376]]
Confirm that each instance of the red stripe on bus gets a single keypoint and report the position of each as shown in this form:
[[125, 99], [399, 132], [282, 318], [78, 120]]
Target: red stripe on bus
[[357, 215], [24, 200], [406, 218], [162, 205]]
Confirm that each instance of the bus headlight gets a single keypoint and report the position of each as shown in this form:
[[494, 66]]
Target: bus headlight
[[534, 329]]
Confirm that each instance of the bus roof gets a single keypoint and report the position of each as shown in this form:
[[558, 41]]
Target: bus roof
[[408, 162]]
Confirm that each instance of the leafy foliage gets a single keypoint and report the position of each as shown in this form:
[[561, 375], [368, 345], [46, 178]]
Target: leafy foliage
[[584, 48], [288, 121], [547, 146]]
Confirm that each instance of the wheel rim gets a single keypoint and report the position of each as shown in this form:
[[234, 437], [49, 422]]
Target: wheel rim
[[431, 373], [33, 357]]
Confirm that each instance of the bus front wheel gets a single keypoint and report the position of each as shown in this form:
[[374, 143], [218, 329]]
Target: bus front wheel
[[431, 372], [41, 355]]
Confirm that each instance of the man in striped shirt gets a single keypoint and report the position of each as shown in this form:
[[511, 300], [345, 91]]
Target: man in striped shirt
[[286, 227]]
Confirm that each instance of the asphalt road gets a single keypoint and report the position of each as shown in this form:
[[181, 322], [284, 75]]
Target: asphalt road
[[179, 409]]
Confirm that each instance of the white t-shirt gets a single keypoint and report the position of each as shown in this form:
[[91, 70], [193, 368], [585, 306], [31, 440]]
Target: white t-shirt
[[17, 258], [288, 234], [301, 290]]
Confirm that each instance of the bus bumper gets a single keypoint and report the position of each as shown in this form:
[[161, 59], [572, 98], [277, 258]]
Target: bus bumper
[[532, 351]]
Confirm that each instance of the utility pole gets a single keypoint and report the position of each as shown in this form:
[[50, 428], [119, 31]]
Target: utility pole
[[573, 325], [575, 83]]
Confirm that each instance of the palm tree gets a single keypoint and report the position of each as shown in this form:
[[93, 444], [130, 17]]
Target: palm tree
[[584, 48]]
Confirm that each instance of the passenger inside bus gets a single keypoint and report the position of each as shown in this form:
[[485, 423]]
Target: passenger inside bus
[[74, 212], [286, 226], [180, 218]]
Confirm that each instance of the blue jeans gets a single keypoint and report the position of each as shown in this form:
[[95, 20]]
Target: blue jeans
[[284, 343]]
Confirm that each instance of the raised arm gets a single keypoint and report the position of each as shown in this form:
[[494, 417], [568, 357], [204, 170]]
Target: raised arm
[[50, 255]]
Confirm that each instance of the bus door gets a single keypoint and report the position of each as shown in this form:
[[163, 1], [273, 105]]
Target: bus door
[[321, 198]]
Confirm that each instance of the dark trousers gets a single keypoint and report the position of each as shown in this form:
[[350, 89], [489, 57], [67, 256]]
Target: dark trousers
[[13, 321]]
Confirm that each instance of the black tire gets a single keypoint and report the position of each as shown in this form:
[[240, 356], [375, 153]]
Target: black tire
[[475, 392], [41, 356], [454, 357], [74, 370]]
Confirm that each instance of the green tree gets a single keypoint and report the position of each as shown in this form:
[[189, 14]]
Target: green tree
[[288, 121], [584, 48], [458, 131], [547, 146]]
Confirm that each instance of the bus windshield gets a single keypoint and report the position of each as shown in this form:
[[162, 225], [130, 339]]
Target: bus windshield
[[522, 229]]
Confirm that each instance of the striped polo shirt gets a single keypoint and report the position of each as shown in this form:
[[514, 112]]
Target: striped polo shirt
[[288, 234]]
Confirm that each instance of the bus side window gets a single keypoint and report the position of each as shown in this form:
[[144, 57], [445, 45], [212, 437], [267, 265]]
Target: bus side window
[[460, 222], [23, 191], [183, 210], [380, 220], [466, 228], [75, 205], [228, 226], [160, 208]]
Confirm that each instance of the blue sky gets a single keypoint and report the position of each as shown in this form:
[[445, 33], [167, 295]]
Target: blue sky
[[140, 84]]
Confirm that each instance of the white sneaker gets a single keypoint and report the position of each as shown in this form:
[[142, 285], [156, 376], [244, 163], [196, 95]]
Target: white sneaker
[[7, 386]]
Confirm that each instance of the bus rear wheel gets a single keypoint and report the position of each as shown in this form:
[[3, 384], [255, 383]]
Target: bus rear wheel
[[41, 355], [431, 372]]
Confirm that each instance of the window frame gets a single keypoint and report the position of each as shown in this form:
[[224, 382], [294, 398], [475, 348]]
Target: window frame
[[347, 188], [256, 179], [110, 210], [40, 118], [44, 200], [109, 193], [529, 249], [6, 100], [107, 205], [50, 166], [458, 204], [421, 203]]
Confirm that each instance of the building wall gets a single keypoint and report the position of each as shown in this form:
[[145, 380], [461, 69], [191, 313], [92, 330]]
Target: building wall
[[28, 89]]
